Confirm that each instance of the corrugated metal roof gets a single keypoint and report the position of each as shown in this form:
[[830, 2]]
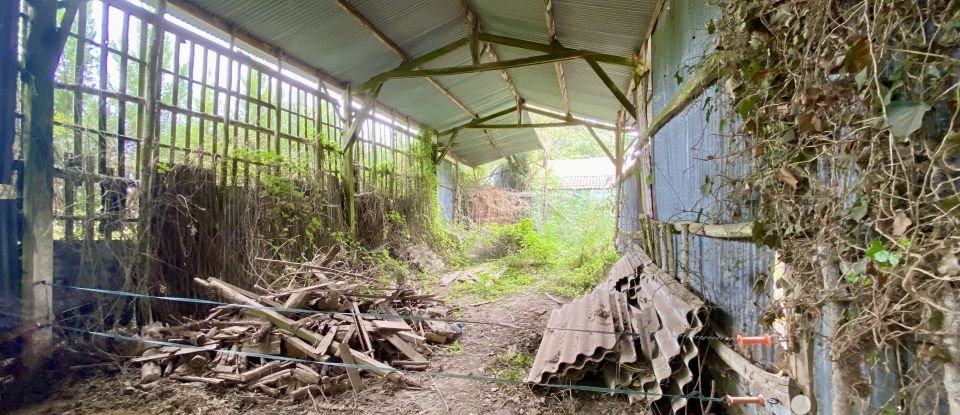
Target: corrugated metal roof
[[473, 146], [323, 35]]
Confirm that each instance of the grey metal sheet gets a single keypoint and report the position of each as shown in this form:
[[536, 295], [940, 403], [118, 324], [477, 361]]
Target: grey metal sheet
[[318, 32], [523, 19], [323, 35], [612, 26], [417, 26], [651, 346]]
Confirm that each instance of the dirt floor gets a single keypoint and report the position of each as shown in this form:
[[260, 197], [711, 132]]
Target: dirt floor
[[113, 391]]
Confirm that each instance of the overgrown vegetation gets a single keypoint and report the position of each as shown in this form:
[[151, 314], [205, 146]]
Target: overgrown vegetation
[[569, 253], [849, 111]]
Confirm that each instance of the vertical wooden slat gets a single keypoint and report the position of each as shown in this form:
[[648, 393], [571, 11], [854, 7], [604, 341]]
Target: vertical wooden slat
[[227, 134], [176, 100], [188, 133], [122, 110], [69, 194], [203, 107], [142, 90]]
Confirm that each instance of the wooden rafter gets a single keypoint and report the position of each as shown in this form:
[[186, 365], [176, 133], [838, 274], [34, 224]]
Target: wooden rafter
[[526, 126], [564, 118], [446, 149], [395, 48], [612, 86], [547, 48], [494, 144], [470, 16], [483, 67], [602, 146], [478, 120], [552, 34]]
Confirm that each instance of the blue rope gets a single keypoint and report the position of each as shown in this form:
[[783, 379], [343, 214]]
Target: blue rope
[[459, 322], [692, 395]]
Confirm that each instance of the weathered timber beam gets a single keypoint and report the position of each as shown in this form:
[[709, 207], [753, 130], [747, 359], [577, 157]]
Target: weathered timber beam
[[525, 126], [473, 21], [602, 146], [370, 27], [41, 54], [493, 143], [483, 67], [350, 134], [612, 86], [690, 91], [552, 34], [547, 48], [567, 118], [395, 48], [446, 149], [723, 231], [480, 120], [761, 382]]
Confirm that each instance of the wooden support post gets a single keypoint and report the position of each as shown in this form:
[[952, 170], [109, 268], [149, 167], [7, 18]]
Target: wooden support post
[[150, 151], [617, 163], [9, 25], [346, 166], [44, 45]]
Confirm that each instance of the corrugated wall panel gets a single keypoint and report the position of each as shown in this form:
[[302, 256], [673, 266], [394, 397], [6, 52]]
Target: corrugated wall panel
[[689, 162], [446, 191]]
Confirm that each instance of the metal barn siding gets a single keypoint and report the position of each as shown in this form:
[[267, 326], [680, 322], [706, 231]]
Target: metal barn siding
[[447, 189], [628, 222], [689, 163]]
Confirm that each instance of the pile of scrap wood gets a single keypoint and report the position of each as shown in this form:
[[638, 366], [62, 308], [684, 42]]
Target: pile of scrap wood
[[318, 334]]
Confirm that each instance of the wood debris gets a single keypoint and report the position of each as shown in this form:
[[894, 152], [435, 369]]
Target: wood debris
[[312, 331]]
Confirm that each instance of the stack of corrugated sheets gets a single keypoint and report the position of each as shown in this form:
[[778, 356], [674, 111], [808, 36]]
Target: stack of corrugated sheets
[[635, 330]]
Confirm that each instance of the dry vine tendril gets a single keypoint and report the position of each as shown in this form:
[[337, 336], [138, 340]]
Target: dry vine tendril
[[849, 110]]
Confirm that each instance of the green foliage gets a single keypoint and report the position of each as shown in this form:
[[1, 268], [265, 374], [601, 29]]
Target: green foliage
[[513, 366], [877, 259], [570, 253]]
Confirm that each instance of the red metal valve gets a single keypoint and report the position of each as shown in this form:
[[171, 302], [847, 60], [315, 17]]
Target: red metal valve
[[765, 340], [745, 400]]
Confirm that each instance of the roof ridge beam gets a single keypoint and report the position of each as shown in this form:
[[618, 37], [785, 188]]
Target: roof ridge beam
[[395, 48], [483, 67], [547, 48]]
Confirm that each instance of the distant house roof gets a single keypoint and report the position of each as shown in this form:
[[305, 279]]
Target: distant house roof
[[583, 174]]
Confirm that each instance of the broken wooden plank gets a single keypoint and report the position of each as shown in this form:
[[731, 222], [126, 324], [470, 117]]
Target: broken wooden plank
[[150, 371], [306, 374], [303, 349], [309, 336], [405, 348], [398, 325], [411, 337], [257, 373], [768, 384], [327, 339], [346, 354], [187, 378], [182, 352]]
